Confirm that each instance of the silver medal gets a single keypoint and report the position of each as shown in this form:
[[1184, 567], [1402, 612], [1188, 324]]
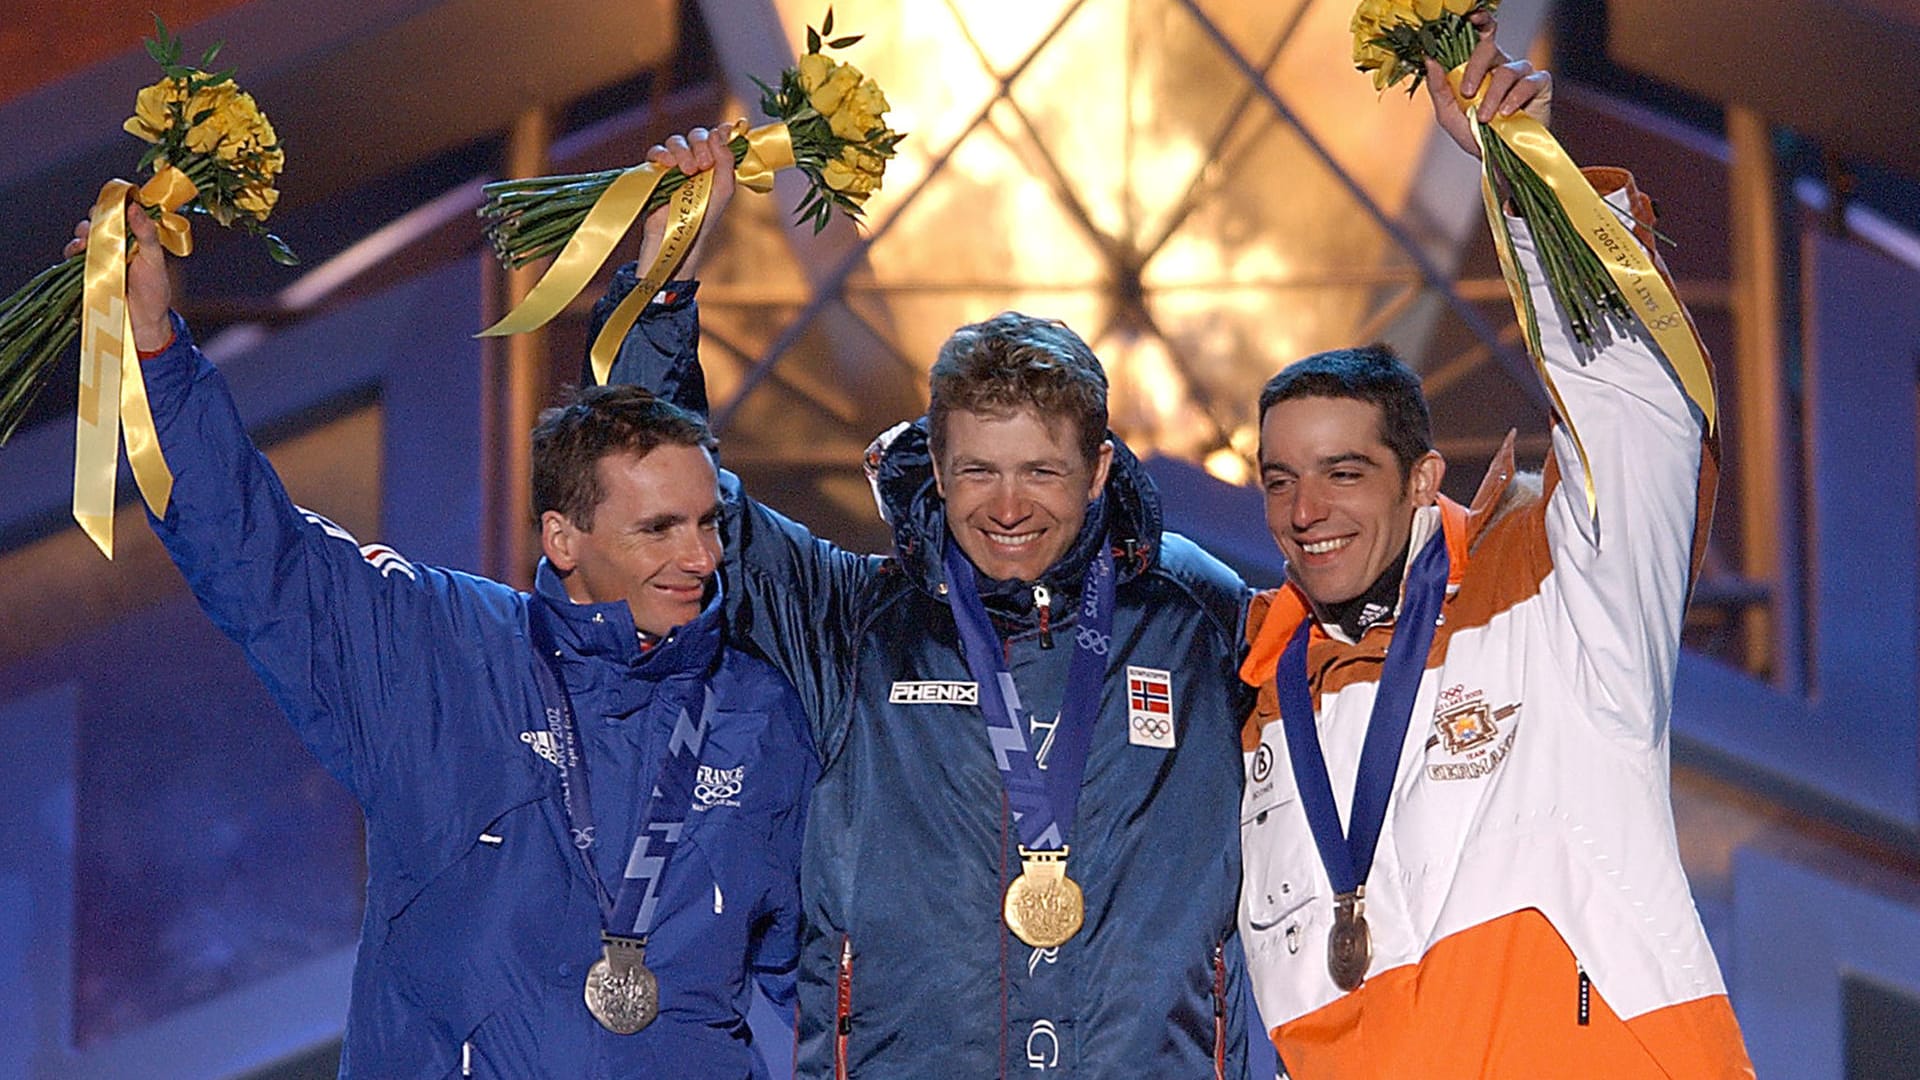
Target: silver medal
[[621, 993]]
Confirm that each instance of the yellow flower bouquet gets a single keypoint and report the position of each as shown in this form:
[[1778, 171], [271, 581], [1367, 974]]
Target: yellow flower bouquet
[[211, 151], [829, 121], [1392, 39]]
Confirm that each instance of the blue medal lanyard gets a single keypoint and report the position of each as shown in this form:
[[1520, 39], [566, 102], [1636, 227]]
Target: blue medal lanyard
[[1348, 857], [1043, 801], [631, 913]]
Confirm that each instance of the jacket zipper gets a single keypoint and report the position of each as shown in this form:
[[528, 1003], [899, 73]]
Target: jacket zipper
[[843, 1009], [1043, 603], [1219, 1012]]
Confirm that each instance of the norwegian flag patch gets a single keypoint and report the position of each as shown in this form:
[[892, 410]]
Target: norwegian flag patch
[[1149, 707]]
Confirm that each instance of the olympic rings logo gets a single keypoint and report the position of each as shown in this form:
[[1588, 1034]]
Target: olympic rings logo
[[1093, 640], [1153, 727], [716, 786]]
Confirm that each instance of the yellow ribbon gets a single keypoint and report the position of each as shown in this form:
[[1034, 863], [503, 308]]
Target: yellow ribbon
[[113, 395], [769, 149], [1629, 264], [689, 210]]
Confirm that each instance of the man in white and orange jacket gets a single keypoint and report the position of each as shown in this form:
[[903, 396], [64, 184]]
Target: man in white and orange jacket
[[1526, 908]]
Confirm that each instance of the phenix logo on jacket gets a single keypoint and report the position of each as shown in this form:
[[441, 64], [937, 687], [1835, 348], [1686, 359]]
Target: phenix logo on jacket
[[1528, 910]]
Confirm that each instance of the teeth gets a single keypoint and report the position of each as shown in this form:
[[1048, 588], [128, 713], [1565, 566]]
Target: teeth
[[1013, 539], [1325, 546]]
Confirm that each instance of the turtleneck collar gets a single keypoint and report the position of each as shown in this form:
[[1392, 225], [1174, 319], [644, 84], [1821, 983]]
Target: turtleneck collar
[[1380, 603], [605, 631]]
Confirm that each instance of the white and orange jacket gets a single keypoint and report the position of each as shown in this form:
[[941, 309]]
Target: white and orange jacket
[[1529, 914]]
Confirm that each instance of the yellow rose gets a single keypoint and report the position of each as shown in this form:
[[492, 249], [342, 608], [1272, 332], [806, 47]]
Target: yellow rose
[[225, 117], [1460, 7], [863, 160], [815, 69], [827, 98], [867, 169], [153, 110], [1428, 10], [257, 200], [837, 175]]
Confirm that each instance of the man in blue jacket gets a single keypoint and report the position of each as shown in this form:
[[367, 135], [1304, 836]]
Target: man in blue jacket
[[1021, 857], [583, 807]]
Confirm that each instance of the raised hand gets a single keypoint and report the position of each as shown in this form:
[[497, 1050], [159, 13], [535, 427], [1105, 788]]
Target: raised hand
[[695, 152], [1511, 86], [149, 290]]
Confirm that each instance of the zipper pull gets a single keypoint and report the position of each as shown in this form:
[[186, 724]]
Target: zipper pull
[[1585, 1011], [1043, 603]]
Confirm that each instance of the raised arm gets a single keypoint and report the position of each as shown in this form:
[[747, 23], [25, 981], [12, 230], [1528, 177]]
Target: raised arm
[[321, 623], [1621, 576], [795, 597]]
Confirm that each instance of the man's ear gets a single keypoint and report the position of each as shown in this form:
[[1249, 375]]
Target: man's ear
[[556, 541], [1102, 464], [1423, 480], [939, 482]]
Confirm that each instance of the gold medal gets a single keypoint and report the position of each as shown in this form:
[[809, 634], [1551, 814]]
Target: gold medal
[[1044, 906], [1349, 943], [621, 993]]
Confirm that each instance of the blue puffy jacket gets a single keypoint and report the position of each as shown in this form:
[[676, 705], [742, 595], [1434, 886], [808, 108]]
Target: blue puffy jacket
[[906, 969], [415, 687]]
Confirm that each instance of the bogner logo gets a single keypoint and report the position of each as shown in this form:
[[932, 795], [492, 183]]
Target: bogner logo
[[1469, 729], [934, 693]]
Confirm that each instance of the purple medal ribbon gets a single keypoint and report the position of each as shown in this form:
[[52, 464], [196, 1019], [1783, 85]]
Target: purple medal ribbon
[[1348, 857], [1043, 802], [631, 913]]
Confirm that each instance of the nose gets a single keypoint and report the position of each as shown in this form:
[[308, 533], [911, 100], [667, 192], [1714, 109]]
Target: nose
[[1309, 507], [700, 554], [1006, 504]]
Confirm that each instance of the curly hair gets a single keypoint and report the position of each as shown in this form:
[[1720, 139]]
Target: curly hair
[[1012, 362]]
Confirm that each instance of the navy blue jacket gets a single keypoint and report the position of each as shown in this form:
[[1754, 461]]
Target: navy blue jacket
[[906, 969], [415, 687]]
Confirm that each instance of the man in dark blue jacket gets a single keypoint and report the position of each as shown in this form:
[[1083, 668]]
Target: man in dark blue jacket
[[1022, 855], [520, 921]]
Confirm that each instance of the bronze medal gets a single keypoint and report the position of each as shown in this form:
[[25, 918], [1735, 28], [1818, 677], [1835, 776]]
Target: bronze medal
[[1349, 943], [1044, 906], [621, 993]]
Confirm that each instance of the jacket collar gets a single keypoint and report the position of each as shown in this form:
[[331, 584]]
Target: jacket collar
[[605, 632]]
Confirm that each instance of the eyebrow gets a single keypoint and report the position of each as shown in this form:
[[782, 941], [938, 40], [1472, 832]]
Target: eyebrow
[[1328, 462]]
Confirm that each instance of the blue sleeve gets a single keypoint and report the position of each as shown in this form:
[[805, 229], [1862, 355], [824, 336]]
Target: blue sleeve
[[315, 615], [792, 596]]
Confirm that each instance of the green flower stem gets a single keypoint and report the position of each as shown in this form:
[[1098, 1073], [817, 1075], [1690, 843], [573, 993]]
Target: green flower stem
[[37, 323]]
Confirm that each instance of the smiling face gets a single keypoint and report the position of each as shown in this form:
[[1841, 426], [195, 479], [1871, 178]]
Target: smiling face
[[1336, 502], [653, 540], [1017, 487]]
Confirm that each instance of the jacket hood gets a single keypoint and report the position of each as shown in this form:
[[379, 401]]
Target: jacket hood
[[1126, 517]]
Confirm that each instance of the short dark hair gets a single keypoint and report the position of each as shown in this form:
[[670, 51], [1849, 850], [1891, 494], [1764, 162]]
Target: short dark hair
[[1374, 374], [569, 442], [1012, 362]]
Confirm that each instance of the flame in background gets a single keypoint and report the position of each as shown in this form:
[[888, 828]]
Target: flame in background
[[1131, 183]]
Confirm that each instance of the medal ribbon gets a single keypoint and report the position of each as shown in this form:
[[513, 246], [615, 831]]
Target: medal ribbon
[[1348, 857], [1043, 802], [631, 913]]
